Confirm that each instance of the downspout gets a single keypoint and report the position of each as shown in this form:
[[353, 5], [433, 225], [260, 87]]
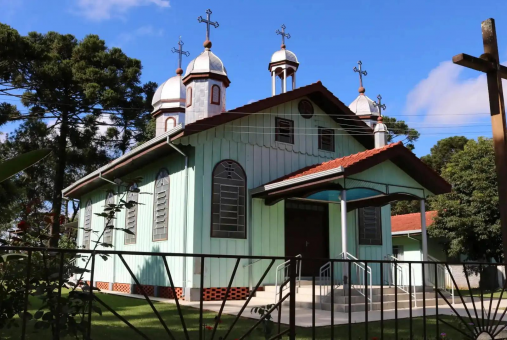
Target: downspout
[[114, 257], [185, 204]]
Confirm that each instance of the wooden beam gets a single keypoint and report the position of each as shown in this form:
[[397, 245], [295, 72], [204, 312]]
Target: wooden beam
[[478, 64]]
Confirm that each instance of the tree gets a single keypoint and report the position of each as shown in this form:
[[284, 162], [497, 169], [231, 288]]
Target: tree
[[468, 219], [400, 129], [440, 155], [67, 82], [443, 151]]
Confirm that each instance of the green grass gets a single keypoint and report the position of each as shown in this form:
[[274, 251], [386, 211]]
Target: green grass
[[139, 313], [476, 292]]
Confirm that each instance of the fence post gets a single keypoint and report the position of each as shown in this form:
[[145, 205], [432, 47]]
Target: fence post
[[292, 305]]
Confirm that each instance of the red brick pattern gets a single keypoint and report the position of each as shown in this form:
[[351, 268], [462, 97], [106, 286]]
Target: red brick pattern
[[167, 292], [236, 293], [149, 290], [103, 285], [121, 287]]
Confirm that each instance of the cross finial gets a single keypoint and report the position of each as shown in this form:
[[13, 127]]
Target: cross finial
[[361, 74], [208, 23], [283, 34], [379, 105], [180, 52]]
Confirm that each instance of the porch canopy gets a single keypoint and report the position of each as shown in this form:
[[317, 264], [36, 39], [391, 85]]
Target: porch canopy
[[370, 178]]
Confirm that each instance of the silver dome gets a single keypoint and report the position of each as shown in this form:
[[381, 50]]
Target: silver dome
[[363, 106], [170, 94], [206, 62], [283, 55]]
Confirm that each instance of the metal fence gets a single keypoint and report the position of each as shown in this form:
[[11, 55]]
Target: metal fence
[[381, 305]]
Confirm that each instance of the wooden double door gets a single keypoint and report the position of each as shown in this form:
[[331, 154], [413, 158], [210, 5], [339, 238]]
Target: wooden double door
[[307, 233]]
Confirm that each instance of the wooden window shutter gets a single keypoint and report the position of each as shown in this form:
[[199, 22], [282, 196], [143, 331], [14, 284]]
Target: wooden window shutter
[[108, 233], [370, 226], [326, 139], [161, 206], [131, 215], [228, 213], [87, 225], [284, 130]]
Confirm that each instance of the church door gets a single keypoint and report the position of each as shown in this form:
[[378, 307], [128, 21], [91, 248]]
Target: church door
[[307, 233]]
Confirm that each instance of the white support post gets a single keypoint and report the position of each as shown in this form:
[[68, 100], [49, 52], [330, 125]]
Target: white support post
[[294, 80], [273, 83], [343, 208], [284, 80], [423, 232]]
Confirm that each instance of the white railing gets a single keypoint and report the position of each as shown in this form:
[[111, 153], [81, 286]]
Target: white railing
[[359, 269], [282, 273], [444, 275], [400, 272], [325, 281]]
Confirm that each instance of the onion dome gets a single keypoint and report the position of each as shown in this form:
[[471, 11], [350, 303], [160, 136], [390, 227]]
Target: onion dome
[[206, 62], [284, 55], [171, 94]]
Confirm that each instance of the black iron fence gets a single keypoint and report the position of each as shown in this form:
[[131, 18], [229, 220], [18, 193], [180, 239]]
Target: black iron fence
[[54, 294]]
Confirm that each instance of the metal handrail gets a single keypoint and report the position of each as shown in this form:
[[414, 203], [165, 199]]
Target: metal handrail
[[445, 273], [285, 266], [361, 267], [402, 274]]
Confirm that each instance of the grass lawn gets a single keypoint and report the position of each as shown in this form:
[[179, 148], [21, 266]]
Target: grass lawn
[[476, 292], [139, 313]]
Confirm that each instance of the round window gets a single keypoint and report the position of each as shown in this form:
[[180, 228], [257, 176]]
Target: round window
[[305, 109]]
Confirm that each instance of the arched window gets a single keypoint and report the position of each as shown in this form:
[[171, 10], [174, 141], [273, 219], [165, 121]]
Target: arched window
[[215, 94], [87, 225], [170, 123], [161, 206], [189, 96], [109, 224], [228, 213], [131, 215]]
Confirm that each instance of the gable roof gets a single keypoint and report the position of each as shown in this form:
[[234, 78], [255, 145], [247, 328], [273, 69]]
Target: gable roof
[[316, 92], [395, 152], [411, 223]]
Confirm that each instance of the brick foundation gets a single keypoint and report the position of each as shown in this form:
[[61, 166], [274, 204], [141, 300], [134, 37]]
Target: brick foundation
[[121, 287], [149, 290], [209, 294], [167, 292]]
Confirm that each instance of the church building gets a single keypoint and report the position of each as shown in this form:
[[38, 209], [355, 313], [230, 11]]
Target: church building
[[298, 173]]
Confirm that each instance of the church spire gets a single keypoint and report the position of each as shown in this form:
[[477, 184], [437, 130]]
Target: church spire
[[284, 64], [180, 52], [283, 34], [361, 74], [208, 22]]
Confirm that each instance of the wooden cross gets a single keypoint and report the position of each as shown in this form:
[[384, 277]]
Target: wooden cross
[[489, 63], [208, 22]]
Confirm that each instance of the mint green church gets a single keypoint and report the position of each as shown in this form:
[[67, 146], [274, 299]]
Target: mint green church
[[298, 173]]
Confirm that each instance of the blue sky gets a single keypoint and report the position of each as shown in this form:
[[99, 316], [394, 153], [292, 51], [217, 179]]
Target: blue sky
[[406, 47]]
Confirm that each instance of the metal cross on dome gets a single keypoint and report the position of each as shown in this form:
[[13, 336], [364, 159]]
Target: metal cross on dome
[[208, 22], [283, 34], [180, 51], [379, 105], [361, 73]]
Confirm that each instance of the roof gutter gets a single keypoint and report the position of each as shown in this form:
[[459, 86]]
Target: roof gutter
[[406, 232], [297, 180], [185, 212], [133, 152]]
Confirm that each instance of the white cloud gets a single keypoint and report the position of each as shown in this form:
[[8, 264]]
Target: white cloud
[[143, 31], [107, 9], [445, 98]]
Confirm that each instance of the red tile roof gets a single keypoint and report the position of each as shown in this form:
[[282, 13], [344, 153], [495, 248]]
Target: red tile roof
[[411, 222], [335, 163]]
